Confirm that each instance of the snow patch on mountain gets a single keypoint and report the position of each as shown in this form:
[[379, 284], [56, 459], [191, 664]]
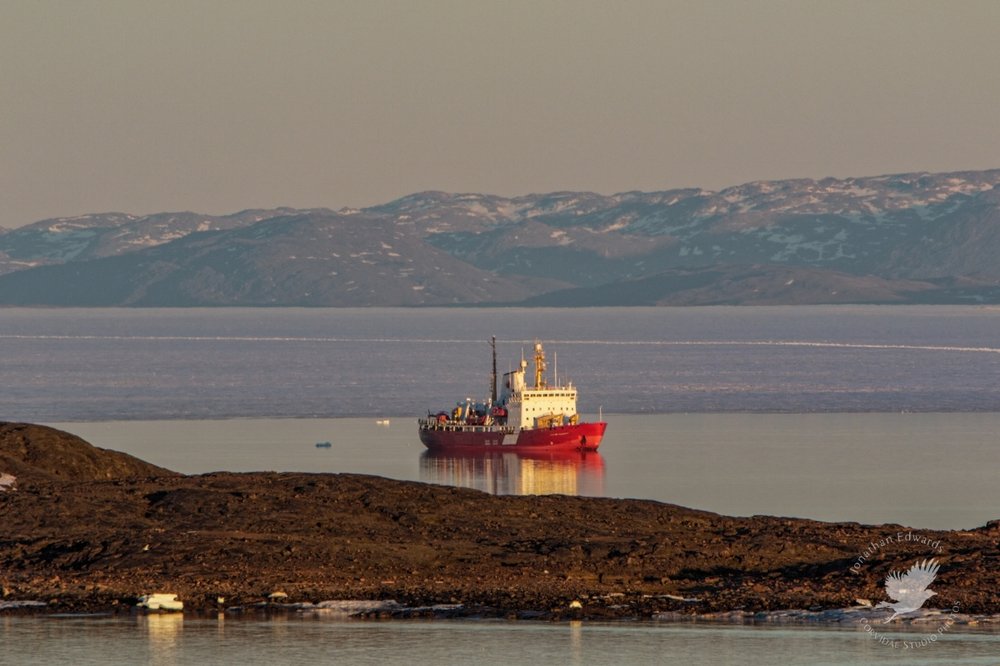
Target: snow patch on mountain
[[67, 242], [560, 237], [899, 224]]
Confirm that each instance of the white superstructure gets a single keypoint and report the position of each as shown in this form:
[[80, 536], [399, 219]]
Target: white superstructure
[[539, 406]]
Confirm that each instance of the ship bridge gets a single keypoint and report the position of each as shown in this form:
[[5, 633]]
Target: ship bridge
[[540, 405]]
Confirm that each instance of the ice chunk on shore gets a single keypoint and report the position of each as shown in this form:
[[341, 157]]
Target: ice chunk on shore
[[160, 601], [7, 605], [354, 606]]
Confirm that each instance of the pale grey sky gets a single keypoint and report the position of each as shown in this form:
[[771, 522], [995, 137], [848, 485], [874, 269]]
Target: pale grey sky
[[219, 105]]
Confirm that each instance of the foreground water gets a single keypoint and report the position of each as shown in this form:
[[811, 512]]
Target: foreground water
[[172, 639]]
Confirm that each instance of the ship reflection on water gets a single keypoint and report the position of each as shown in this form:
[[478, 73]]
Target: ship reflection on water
[[510, 473]]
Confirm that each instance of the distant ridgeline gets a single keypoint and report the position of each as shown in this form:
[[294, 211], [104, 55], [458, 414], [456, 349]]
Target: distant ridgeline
[[910, 238]]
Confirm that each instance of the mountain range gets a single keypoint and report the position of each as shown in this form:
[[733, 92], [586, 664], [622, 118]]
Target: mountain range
[[906, 238]]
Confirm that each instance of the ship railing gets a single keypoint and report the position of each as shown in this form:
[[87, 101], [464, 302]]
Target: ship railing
[[451, 426]]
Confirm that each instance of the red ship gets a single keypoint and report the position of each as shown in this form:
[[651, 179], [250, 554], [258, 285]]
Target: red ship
[[541, 417]]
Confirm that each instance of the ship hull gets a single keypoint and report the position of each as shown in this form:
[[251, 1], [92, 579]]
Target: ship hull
[[578, 437]]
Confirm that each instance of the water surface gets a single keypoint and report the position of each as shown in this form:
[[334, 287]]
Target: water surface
[[107, 364], [928, 470], [172, 639], [792, 411]]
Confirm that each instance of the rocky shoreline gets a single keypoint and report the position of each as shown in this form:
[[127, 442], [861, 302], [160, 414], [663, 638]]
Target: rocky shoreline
[[86, 529]]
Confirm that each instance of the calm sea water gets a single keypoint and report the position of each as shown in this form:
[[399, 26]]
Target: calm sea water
[[928, 470], [175, 640], [838, 413], [97, 365]]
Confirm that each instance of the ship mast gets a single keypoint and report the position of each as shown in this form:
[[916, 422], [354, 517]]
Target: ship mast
[[539, 366], [493, 375]]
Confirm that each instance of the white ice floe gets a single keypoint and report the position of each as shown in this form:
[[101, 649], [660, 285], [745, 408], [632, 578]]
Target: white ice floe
[[9, 605], [353, 607], [345, 607]]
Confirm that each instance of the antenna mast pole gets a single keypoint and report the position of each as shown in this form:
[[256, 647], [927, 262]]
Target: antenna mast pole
[[493, 375]]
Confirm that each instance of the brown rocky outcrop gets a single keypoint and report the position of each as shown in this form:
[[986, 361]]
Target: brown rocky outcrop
[[91, 542], [36, 452]]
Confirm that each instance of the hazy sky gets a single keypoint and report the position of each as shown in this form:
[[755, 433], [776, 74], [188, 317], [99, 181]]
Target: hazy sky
[[217, 105]]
